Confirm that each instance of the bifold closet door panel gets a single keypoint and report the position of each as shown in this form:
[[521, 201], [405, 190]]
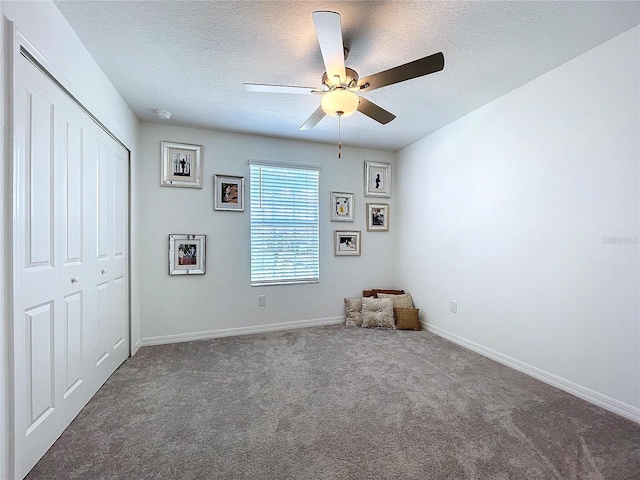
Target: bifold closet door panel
[[110, 327], [38, 304], [118, 253]]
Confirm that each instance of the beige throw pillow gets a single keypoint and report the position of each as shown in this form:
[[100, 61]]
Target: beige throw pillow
[[399, 301], [353, 310], [377, 312]]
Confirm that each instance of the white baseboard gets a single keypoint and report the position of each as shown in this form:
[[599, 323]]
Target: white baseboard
[[229, 332], [616, 406], [136, 347]]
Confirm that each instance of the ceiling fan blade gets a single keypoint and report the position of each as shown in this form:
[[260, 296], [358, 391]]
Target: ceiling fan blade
[[264, 88], [372, 110], [329, 33], [417, 68], [313, 119]]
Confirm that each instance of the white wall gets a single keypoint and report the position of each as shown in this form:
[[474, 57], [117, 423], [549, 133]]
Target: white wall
[[505, 211], [46, 29], [185, 307]]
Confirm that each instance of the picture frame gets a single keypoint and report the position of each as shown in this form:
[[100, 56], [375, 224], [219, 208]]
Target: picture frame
[[181, 165], [228, 193], [377, 179], [187, 254], [377, 217], [347, 242], [342, 206]]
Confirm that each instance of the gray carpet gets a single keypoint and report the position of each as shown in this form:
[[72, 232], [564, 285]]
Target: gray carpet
[[336, 403]]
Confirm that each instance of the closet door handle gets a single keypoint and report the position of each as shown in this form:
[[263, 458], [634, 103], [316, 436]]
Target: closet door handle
[[74, 279], [103, 271]]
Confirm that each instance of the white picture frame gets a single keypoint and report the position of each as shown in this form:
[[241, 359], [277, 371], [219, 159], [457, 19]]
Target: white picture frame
[[181, 165], [187, 254], [228, 193], [377, 217], [342, 206], [377, 179], [347, 242]]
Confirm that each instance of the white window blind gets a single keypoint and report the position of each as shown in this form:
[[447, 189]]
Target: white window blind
[[285, 227]]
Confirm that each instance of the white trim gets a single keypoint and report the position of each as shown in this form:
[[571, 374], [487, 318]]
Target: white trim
[[616, 406], [7, 381], [230, 332], [273, 163]]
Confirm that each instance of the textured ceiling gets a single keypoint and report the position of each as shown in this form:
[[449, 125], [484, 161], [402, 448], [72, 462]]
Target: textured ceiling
[[191, 58]]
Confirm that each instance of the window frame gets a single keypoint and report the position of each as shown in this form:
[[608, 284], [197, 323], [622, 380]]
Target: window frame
[[308, 270]]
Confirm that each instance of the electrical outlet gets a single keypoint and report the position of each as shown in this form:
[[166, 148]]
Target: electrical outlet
[[453, 306], [262, 300]]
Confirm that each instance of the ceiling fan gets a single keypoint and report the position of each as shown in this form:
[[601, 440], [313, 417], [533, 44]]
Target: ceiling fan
[[340, 85]]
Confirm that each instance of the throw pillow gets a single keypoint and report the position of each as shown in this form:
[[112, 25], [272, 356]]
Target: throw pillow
[[353, 309], [375, 291], [407, 318], [377, 312], [399, 301]]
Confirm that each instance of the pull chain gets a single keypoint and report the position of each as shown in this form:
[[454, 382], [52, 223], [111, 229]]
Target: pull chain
[[339, 137]]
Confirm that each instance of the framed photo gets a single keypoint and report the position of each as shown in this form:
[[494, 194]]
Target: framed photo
[[346, 242], [377, 217], [377, 179], [187, 254], [342, 206], [181, 165], [228, 193]]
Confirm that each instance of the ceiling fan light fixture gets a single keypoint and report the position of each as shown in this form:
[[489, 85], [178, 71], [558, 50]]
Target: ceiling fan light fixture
[[340, 102]]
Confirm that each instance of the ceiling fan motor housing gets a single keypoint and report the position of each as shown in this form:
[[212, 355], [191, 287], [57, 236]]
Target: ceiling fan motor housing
[[350, 82]]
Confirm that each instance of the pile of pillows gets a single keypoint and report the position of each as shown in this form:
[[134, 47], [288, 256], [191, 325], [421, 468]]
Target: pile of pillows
[[382, 309]]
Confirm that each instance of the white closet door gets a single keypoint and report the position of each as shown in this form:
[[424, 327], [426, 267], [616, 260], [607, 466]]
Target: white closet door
[[71, 315]]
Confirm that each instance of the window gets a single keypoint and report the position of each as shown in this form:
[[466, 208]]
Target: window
[[285, 227]]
